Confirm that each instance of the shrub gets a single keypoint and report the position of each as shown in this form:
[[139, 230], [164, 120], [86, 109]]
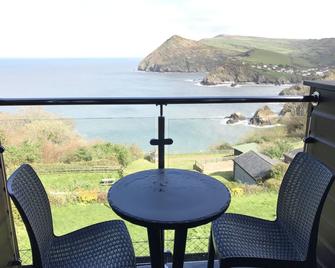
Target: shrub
[[101, 197], [266, 135], [2, 137], [34, 135], [62, 198], [57, 199], [16, 215], [278, 149], [123, 156], [114, 151], [25, 152], [237, 191], [252, 189], [135, 152], [221, 147], [272, 184], [81, 154], [278, 171], [87, 196], [296, 126]]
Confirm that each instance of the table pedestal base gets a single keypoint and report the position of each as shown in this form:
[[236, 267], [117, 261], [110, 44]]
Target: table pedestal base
[[156, 246], [179, 247]]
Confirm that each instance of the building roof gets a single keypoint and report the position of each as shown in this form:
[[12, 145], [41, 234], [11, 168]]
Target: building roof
[[257, 165], [246, 147]]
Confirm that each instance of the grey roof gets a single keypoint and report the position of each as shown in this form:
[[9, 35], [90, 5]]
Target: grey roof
[[255, 164], [245, 147]]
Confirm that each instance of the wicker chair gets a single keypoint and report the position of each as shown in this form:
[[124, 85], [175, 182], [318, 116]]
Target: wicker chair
[[104, 244], [288, 241]]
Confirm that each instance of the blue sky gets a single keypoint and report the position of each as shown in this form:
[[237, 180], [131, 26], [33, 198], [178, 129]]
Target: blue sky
[[133, 28]]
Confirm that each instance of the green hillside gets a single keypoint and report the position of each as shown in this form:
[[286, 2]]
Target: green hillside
[[240, 44], [266, 56], [297, 52], [227, 58]]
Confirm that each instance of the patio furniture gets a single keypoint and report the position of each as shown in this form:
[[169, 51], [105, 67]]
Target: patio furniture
[[288, 241], [168, 199], [104, 244]]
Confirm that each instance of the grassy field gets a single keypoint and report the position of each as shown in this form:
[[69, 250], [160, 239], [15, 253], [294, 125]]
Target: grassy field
[[73, 181], [244, 43], [73, 215], [268, 57]]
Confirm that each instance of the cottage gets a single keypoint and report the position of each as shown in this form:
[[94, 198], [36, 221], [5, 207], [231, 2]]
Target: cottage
[[245, 147], [252, 167]]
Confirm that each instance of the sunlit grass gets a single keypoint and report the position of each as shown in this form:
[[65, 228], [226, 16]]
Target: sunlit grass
[[68, 217]]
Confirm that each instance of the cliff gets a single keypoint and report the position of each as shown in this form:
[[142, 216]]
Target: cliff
[[185, 55], [244, 59], [293, 115], [264, 116], [237, 72], [178, 54]]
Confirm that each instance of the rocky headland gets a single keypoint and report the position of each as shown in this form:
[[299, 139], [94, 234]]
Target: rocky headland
[[237, 73], [240, 59], [178, 54]]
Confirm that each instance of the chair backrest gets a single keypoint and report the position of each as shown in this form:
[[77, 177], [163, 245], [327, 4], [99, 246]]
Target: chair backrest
[[31, 200], [301, 198]]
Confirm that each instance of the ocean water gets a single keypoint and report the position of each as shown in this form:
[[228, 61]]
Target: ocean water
[[194, 128]]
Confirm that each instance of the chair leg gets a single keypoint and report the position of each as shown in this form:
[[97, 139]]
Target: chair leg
[[211, 252]]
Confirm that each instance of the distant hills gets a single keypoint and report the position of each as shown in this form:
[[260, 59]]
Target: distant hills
[[244, 58]]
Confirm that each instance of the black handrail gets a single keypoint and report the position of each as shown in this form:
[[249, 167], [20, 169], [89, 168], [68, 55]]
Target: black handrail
[[161, 141], [153, 100]]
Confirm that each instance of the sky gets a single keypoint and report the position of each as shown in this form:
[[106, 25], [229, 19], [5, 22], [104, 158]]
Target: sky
[[133, 28]]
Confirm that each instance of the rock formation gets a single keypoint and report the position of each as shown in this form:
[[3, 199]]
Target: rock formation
[[237, 72], [264, 116], [294, 90], [294, 109], [235, 117], [294, 115]]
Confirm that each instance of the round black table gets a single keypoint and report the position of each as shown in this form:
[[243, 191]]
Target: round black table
[[168, 199]]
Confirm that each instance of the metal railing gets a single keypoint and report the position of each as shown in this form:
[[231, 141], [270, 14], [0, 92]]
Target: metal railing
[[161, 140]]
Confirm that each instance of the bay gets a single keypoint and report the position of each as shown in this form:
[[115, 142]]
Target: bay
[[194, 128]]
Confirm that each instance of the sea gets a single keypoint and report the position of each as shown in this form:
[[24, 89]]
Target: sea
[[193, 128]]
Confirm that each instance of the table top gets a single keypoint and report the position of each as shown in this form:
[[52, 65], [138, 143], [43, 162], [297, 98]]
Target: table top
[[169, 198]]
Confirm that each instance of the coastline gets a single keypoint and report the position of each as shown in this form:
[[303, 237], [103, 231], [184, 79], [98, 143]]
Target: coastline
[[188, 125], [229, 84]]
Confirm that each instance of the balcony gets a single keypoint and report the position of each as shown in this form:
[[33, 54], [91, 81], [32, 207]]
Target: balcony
[[77, 187]]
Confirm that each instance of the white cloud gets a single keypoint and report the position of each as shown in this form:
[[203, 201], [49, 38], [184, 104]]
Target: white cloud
[[106, 28]]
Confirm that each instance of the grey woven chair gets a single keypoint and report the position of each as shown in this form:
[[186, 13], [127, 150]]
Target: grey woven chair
[[104, 244], [290, 240]]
